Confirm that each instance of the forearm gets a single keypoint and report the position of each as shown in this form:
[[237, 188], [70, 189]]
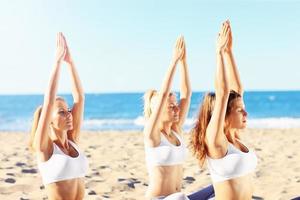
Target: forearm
[[221, 80], [185, 85], [51, 90], [41, 137], [77, 90], [167, 82], [215, 127], [153, 123], [234, 77]]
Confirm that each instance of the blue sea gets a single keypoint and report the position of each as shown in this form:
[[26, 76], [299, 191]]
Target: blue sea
[[123, 111]]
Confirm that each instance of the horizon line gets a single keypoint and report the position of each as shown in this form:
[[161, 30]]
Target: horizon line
[[138, 92]]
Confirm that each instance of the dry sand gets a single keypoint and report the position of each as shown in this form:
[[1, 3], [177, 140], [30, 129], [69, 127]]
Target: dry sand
[[117, 167]]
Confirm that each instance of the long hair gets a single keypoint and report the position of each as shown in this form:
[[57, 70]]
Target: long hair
[[35, 122], [198, 133], [36, 119], [147, 102]]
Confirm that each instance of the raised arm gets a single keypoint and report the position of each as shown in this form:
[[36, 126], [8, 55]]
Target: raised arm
[[41, 140], [78, 97], [233, 74], [215, 137], [185, 89], [151, 131]]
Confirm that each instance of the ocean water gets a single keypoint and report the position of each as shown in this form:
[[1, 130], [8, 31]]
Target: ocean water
[[124, 111]]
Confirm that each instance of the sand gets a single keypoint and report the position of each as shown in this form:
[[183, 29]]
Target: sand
[[117, 167]]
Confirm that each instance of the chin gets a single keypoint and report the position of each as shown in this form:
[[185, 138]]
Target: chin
[[244, 125]]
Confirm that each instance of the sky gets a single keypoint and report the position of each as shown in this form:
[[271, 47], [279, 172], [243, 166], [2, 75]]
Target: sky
[[126, 46]]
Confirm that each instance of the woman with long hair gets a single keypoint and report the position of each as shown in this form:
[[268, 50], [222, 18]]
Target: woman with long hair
[[216, 135], [55, 134], [165, 148]]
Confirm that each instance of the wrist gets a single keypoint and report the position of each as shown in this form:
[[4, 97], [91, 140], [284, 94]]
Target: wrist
[[219, 51], [57, 62], [70, 61], [183, 61], [227, 51], [174, 60]]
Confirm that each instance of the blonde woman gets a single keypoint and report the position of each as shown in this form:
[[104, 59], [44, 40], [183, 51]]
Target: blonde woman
[[165, 148], [55, 134], [216, 135]]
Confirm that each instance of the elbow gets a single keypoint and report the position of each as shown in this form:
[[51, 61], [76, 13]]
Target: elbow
[[240, 90], [80, 98], [48, 102], [223, 90], [187, 94], [165, 94]]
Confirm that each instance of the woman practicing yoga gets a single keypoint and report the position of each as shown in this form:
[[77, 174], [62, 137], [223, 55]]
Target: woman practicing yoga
[[216, 135], [165, 149], [55, 134], [164, 146]]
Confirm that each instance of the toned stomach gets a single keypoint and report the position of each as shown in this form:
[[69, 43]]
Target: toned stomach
[[72, 189], [240, 188], [164, 180]]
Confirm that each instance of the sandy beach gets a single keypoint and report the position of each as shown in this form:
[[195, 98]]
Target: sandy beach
[[117, 167]]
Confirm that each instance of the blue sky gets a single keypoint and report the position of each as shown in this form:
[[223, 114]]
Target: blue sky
[[126, 46]]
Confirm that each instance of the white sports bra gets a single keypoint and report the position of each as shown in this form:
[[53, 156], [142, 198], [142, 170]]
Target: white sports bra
[[234, 164], [166, 153], [63, 167]]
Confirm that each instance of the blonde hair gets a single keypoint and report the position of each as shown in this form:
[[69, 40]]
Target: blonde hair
[[36, 119], [150, 101], [147, 102], [35, 122]]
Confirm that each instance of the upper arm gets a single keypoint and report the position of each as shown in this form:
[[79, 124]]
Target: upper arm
[[41, 138], [184, 106], [151, 131], [215, 137], [77, 114]]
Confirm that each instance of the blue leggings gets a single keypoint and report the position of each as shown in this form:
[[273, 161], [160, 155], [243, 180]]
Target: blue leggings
[[203, 194]]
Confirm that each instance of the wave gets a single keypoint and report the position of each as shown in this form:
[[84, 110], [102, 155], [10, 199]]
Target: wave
[[139, 122], [281, 123]]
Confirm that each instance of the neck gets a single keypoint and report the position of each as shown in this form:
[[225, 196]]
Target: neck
[[166, 127], [60, 138], [232, 135]]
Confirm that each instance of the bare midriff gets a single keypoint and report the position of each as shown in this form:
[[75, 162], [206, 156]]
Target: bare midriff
[[164, 180], [240, 188], [66, 190]]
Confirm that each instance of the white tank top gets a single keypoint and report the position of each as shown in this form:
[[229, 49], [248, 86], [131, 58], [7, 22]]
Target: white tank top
[[63, 167], [166, 153], [234, 164]]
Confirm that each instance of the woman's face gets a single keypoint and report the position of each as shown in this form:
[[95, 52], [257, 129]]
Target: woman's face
[[237, 117], [62, 119], [171, 110]]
